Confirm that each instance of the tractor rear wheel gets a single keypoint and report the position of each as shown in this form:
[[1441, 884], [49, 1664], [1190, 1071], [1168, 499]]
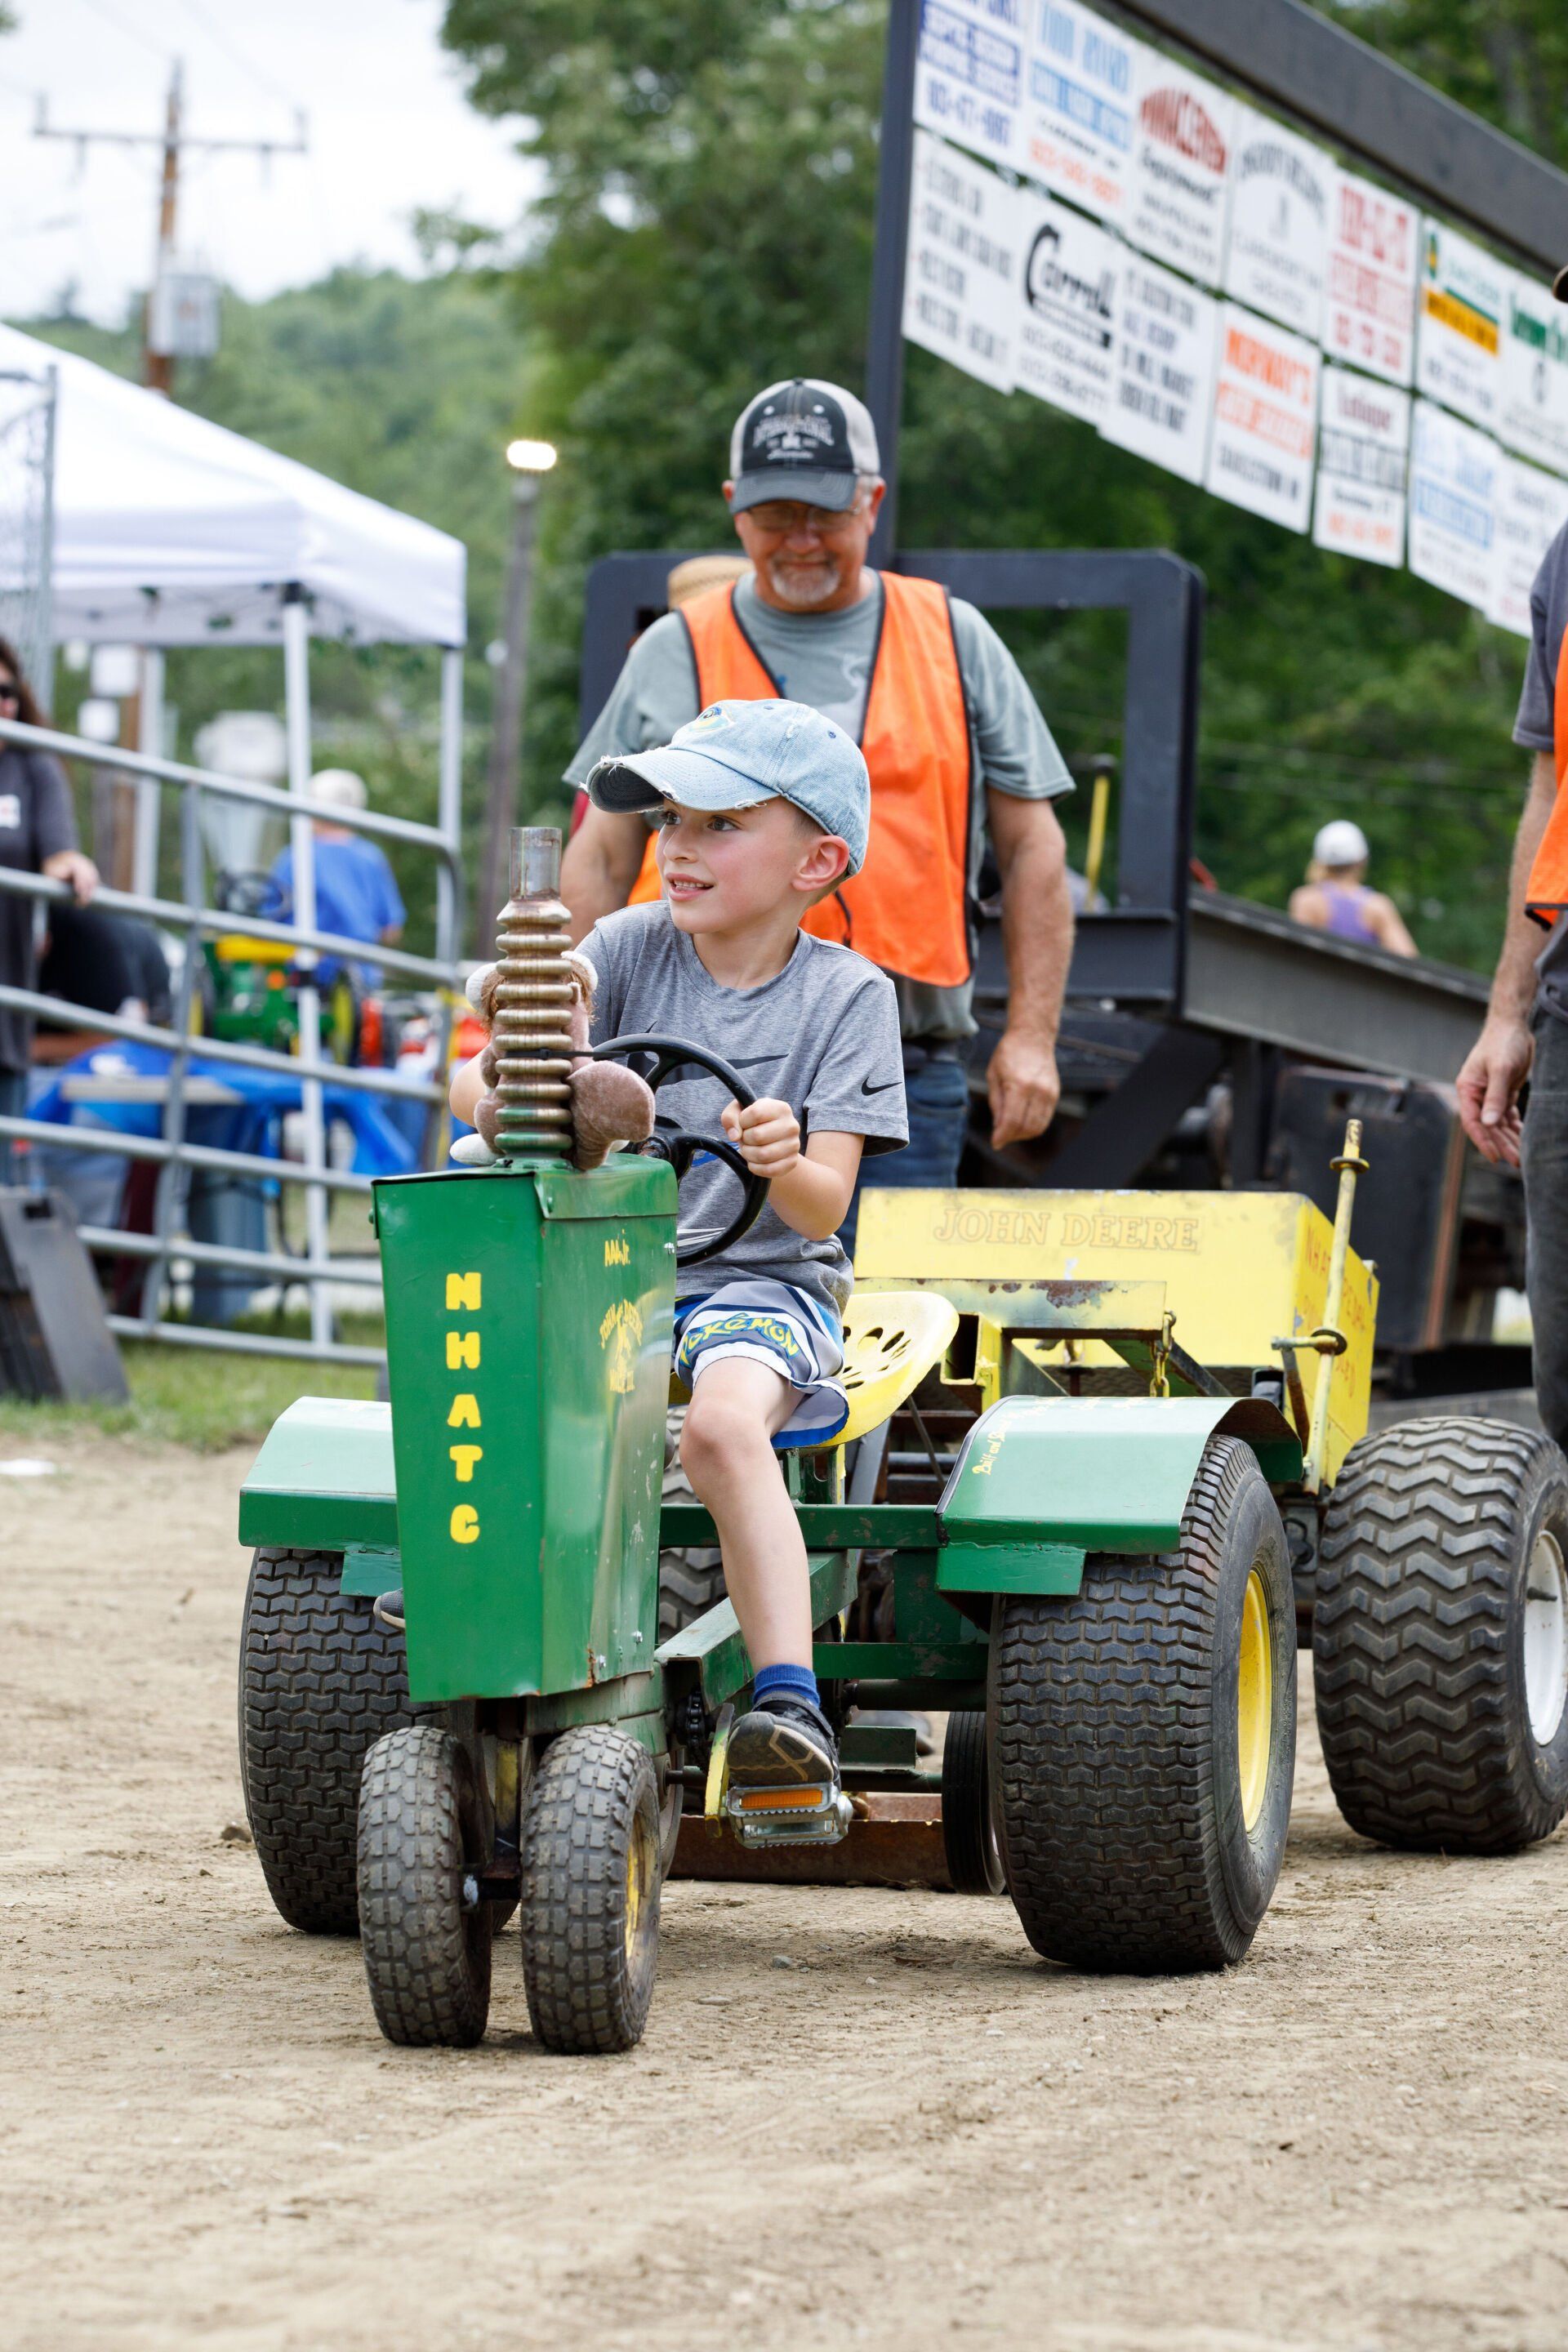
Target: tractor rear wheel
[[691, 1576], [1145, 1738], [590, 1892], [319, 1681], [425, 1929], [968, 1834], [1440, 1636]]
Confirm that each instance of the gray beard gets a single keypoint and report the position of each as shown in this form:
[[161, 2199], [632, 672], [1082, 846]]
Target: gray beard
[[804, 590]]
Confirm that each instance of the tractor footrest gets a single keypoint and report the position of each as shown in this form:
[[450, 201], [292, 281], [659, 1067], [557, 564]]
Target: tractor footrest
[[816, 1815]]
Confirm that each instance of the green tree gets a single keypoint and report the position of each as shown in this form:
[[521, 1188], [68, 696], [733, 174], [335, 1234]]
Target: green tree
[[706, 228]]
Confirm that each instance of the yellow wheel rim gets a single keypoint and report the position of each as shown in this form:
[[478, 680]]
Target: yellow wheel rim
[[642, 1878], [1254, 1700]]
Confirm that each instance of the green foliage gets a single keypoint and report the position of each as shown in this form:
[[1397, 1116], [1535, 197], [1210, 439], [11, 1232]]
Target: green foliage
[[196, 1397], [707, 228]]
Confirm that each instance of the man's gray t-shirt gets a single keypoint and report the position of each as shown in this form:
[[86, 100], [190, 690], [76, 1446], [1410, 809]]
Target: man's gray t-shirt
[[1535, 730], [826, 659], [822, 1036]]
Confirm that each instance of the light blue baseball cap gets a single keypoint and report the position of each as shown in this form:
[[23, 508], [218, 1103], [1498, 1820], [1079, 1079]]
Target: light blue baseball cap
[[734, 754]]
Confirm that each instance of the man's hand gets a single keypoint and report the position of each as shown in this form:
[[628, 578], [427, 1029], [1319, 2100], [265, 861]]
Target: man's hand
[[1497, 1067], [1024, 1088], [73, 865], [767, 1136]]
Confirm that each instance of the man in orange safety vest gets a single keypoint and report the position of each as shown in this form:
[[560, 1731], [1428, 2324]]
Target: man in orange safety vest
[[953, 739]]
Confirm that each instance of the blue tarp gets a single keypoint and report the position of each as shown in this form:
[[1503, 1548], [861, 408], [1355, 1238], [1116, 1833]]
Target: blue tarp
[[253, 1124]]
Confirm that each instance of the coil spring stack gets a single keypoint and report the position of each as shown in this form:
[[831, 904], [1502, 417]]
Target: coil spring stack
[[532, 1035]]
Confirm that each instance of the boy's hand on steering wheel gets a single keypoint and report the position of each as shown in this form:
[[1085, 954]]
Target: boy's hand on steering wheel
[[767, 1136]]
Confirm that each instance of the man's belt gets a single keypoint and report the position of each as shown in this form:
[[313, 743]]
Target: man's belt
[[919, 1051]]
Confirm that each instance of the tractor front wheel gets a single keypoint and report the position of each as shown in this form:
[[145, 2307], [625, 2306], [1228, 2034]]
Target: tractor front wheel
[[1440, 1636], [590, 1892], [425, 1927], [1144, 1739]]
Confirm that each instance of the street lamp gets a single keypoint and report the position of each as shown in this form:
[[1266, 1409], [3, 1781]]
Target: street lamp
[[529, 461]]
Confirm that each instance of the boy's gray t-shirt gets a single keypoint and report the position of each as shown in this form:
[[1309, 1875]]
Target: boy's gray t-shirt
[[823, 1037], [826, 659], [1534, 730]]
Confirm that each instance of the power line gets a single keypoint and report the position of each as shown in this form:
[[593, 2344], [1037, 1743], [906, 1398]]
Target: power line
[[237, 56], [131, 32]]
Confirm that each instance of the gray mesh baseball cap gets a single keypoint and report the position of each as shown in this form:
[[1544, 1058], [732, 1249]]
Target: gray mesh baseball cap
[[802, 439], [734, 754]]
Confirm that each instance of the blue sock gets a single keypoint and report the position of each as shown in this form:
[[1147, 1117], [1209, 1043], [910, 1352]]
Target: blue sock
[[798, 1681]]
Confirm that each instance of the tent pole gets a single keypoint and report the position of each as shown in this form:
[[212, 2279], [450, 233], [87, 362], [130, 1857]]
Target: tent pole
[[302, 841], [150, 738], [449, 805]]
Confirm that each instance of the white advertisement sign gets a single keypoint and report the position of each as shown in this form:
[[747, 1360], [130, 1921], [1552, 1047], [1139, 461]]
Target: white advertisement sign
[[958, 298], [1078, 132], [969, 75], [1065, 330], [1457, 327], [1163, 388], [1265, 419], [1369, 300], [1453, 505], [1183, 128], [1363, 448], [1531, 508], [1277, 250], [1534, 372]]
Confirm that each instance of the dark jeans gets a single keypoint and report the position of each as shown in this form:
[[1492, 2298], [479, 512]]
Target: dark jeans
[[937, 1094], [13, 1105], [1546, 1205]]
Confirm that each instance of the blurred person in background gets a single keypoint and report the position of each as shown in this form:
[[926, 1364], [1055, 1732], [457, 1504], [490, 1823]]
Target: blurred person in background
[[356, 892], [37, 836], [1334, 897]]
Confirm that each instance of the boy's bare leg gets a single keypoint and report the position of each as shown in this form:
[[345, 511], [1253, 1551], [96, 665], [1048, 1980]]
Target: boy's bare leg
[[726, 1452]]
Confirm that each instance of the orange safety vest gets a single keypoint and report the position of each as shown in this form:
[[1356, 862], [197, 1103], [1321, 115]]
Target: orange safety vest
[[908, 908], [1546, 894]]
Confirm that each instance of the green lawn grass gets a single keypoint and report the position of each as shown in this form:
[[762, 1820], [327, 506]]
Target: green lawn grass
[[200, 1397]]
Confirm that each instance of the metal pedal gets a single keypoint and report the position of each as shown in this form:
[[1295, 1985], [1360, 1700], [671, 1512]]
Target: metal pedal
[[808, 1815]]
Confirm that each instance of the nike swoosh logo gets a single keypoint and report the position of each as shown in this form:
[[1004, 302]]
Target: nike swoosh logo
[[867, 1089], [756, 1061]]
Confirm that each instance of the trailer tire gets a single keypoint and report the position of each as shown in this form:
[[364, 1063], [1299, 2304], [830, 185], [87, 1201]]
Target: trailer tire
[[319, 1681], [426, 1957], [1440, 1636], [970, 1837], [1144, 1739], [590, 1892]]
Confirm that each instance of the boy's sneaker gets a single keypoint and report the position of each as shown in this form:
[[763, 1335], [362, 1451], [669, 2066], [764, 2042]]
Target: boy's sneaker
[[783, 1742]]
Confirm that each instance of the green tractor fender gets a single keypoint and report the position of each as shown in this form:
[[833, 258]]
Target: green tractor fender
[[324, 1481], [1041, 1481]]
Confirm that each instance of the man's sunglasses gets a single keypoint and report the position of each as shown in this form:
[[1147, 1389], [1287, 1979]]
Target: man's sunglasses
[[779, 516]]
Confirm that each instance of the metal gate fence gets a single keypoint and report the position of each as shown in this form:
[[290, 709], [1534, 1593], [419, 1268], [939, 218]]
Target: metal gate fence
[[189, 915]]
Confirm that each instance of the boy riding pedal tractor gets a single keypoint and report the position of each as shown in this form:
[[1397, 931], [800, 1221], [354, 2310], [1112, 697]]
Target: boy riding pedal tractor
[[762, 809]]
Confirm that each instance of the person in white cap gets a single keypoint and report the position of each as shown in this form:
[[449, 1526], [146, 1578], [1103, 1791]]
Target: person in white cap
[[1334, 897], [951, 733], [356, 892]]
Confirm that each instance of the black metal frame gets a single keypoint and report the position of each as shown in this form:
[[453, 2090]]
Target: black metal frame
[[1135, 951]]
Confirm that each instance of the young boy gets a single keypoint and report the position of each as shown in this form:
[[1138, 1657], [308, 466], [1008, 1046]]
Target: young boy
[[763, 808]]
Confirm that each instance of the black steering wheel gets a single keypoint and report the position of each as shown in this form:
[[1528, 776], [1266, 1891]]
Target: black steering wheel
[[669, 1142]]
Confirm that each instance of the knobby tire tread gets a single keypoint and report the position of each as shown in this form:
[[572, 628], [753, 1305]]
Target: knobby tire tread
[[583, 1995], [426, 1961]]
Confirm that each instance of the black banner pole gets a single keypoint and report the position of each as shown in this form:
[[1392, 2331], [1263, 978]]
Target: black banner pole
[[885, 331]]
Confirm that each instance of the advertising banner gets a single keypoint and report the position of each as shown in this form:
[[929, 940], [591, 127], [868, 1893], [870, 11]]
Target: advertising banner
[[1163, 386], [1369, 298], [1534, 372], [1453, 505], [963, 269], [1277, 250], [1065, 328], [1458, 325], [1265, 419], [1078, 133], [969, 75], [1531, 508], [1363, 448], [1183, 128]]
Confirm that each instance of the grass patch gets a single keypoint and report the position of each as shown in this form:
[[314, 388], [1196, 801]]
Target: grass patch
[[204, 1398]]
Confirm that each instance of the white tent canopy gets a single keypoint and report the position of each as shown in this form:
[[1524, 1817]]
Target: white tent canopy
[[170, 530]]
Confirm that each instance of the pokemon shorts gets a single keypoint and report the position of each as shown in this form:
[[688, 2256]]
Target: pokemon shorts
[[770, 1323]]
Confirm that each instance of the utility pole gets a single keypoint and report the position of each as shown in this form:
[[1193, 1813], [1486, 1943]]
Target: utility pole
[[158, 364]]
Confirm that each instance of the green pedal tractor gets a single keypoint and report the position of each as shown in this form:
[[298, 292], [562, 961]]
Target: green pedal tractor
[[455, 1701]]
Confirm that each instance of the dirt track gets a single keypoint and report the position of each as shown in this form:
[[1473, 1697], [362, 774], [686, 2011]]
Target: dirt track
[[863, 2118]]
